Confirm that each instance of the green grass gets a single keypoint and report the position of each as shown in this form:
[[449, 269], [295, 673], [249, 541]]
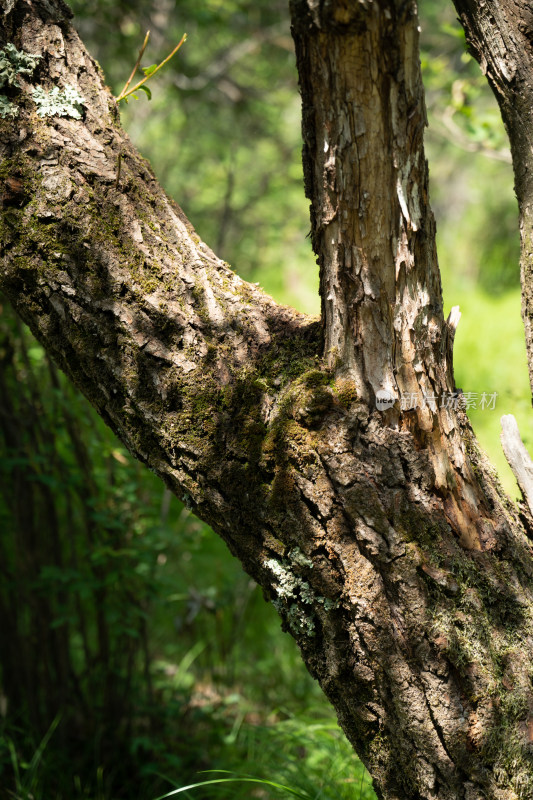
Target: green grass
[[490, 356]]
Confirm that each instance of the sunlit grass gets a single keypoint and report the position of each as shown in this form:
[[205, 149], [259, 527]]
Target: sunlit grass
[[490, 356], [300, 757]]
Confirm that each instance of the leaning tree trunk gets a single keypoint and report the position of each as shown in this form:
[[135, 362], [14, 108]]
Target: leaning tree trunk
[[381, 536]]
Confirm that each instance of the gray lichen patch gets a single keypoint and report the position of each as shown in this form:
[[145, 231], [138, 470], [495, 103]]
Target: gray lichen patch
[[57, 102], [7, 108], [295, 594], [13, 63], [297, 557]]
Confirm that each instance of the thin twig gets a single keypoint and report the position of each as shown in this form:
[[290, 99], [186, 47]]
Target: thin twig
[[119, 164], [138, 85], [135, 68]]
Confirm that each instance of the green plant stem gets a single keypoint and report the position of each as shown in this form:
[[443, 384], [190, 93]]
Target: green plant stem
[[135, 68], [124, 94]]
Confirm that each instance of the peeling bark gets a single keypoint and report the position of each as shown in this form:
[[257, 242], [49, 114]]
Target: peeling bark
[[382, 537], [373, 230]]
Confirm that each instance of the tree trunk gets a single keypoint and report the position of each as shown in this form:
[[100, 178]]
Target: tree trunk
[[500, 35], [381, 535]]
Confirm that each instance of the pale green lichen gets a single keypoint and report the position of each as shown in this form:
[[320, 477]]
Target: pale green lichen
[[57, 102], [7, 108], [297, 557], [328, 604], [300, 622], [187, 502], [291, 587], [306, 593], [287, 583], [15, 62]]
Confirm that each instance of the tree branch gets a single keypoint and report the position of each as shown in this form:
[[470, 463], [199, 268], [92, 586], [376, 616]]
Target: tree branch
[[518, 457], [127, 293], [499, 35]]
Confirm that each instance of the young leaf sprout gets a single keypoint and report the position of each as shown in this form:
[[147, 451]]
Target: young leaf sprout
[[148, 71]]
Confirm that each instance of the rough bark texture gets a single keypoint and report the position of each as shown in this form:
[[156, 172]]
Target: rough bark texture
[[382, 537], [500, 36], [373, 231]]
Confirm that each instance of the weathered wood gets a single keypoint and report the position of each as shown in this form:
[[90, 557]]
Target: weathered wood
[[518, 457], [372, 228]]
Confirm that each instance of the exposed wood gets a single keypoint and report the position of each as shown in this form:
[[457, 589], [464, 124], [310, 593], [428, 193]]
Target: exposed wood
[[518, 457], [373, 231]]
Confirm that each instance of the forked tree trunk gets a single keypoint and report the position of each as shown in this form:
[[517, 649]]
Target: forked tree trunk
[[381, 536]]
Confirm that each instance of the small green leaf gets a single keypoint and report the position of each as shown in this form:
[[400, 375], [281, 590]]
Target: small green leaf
[[147, 90], [148, 70]]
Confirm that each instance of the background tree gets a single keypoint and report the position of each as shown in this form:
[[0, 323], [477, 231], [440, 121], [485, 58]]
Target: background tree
[[399, 507]]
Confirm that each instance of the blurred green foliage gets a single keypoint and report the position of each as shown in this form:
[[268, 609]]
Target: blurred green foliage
[[223, 127], [126, 621], [124, 618]]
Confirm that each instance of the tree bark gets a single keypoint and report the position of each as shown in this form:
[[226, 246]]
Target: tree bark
[[500, 35], [382, 536]]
